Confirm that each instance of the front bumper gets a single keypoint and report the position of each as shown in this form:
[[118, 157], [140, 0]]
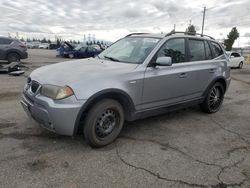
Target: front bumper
[[57, 116]]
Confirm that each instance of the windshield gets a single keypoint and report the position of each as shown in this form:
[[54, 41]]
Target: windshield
[[130, 50]]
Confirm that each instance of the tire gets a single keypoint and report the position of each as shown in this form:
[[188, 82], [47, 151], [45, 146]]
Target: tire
[[214, 99], [12, 57], [103, 123], [240, 65]]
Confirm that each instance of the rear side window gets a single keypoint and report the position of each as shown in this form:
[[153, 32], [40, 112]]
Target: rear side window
[[209, 54], [197, 50], [5, 41], [235, 54], [216, 49], [174, 48]]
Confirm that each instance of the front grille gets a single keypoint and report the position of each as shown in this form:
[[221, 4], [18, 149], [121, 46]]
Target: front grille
[[34, 86]]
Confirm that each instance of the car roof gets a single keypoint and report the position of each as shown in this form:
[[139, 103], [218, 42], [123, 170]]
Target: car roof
[[177, 34], [1, 37]]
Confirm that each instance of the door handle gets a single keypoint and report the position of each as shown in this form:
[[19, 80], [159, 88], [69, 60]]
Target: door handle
[[212, 70], [183, 75]]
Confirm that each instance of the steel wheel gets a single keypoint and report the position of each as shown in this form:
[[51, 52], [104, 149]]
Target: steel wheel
[[103, 123], [106, 123]]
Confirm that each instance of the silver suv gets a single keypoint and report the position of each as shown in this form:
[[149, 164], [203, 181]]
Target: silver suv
[[12, 49], [138, 76]]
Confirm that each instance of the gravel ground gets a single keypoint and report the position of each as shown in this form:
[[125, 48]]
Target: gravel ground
[[181, 149]]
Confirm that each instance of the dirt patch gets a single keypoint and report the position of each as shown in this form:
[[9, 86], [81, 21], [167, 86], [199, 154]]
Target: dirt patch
[[9, 96], [38, 165], [243, 81], [7, 124]]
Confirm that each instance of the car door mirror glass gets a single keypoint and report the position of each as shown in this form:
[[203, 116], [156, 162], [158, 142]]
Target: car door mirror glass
[[164, 61]]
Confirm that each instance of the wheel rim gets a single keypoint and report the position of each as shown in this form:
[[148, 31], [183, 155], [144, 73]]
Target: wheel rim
[[241, 64], [106, 123], [13, 57], [215, 98]]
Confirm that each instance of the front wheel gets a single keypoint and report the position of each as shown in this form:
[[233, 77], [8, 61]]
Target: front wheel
[[240, 65], [214, 99], [103, 123]]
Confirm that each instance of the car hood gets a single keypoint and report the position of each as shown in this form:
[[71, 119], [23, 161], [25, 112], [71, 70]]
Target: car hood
[[70, 72]]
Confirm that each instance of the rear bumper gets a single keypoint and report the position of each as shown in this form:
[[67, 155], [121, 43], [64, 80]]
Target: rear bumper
[[57, 116]]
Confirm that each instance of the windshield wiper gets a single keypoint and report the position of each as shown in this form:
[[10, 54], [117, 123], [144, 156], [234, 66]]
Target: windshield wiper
[[112, 58]]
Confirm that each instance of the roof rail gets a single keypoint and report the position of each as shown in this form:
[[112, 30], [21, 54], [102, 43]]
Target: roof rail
[[136, 34], [187, 33]]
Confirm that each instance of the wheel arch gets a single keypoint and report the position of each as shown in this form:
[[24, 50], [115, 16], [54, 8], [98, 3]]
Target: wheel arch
[[122, 97], [221, 80], [12, 51]]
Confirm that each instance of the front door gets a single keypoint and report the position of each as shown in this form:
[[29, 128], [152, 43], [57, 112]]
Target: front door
[[183, 81]]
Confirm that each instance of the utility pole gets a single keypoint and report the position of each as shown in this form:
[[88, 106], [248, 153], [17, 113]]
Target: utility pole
[[174, 27], [204, 13]]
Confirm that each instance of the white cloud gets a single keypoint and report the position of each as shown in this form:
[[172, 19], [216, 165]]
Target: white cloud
[[115, 18]]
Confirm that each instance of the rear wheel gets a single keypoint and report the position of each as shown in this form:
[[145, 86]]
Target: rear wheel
[[12, 57], [214, 99], [103, 123], [240, 65]]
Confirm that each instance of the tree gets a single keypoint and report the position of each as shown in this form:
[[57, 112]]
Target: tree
[[191, 30], [231, 37]]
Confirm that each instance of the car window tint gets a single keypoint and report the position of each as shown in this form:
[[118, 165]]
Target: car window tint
[[174, 48], [5, 41], [197, 50], [216, 49], [237, 55], [209, 54]]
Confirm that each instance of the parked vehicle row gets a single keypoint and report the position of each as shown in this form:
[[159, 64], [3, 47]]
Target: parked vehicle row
[[140, 75], [80, 51]]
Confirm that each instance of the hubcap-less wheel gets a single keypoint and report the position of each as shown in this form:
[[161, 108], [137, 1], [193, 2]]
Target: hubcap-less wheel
[[215, 98], [106, 123], [103, 122]]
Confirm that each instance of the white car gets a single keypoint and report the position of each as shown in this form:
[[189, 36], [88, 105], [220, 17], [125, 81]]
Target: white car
[[44, 46], [235, 59]]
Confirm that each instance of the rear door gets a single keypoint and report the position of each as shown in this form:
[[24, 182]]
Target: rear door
[[4, 46]]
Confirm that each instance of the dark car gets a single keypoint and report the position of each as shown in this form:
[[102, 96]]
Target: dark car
[[12, 49], [82, 52]]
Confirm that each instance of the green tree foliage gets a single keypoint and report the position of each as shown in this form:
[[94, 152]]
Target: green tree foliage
[[231, 37], [191, 30]]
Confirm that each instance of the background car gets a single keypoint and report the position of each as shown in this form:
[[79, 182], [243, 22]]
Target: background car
[[65, 47], [83, 52], [235, 59], [44, 46], [12, 49]]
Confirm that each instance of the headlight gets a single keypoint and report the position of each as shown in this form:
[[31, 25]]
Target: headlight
[[56, 92]]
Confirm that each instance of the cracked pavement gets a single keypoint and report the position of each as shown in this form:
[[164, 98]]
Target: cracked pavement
[[181, 149]]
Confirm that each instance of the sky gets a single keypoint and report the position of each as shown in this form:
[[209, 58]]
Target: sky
[[113, 19]]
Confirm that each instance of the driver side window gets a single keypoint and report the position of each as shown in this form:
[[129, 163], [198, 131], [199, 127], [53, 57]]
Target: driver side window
[[174, 48]]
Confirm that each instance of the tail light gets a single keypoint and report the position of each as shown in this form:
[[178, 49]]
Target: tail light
[[23, 46]]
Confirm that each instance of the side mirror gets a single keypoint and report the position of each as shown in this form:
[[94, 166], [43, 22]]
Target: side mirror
[[164, 61], [232, 56]]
